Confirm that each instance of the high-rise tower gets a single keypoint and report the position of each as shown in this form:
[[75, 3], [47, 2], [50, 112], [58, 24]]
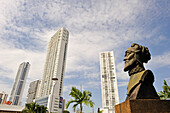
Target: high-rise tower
[[109, 87], [33, 91], [19, 84], [53, 76]]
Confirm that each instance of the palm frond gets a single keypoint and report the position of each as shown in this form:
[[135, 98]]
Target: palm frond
[[75, 93], [91, 103], [69, 102], [88, 102], [74, 107]]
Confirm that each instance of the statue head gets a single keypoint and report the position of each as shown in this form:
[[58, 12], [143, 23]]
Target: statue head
[[136, 55]]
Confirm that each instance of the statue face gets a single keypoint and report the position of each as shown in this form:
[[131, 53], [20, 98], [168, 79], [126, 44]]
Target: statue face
[[129, 59]]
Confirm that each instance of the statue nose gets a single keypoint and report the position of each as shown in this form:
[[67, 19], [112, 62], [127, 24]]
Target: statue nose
[[125, 59]]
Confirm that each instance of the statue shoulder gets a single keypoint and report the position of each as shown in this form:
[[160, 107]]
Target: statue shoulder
[[148, 72], [147, 76]]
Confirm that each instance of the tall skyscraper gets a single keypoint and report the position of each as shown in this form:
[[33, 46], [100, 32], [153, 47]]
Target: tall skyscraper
[[54, 70], [19, 84], [3, 97], [109, 87], [33, 91]]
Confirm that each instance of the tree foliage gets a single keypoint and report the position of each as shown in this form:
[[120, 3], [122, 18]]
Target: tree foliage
[[80, 98], [165, 94], [65, 111], [34, 108]]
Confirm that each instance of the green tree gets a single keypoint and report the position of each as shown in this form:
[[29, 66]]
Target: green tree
[[65, 111], [165, 94], [34, 108], [80, 98]]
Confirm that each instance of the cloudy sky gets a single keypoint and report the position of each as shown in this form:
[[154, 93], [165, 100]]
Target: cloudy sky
[[26, 27]]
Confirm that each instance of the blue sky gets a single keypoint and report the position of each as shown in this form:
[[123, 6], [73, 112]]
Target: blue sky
[[95, 26]]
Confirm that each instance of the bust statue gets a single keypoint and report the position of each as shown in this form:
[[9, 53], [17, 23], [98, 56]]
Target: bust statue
[[140, 84]]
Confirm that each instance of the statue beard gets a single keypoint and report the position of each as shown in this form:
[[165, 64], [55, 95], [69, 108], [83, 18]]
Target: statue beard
[[129, 64], [134, 68], [132, 61]]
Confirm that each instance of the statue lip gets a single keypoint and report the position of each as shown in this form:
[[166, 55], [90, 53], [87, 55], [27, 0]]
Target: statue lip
[[125, 69], [126, 61]]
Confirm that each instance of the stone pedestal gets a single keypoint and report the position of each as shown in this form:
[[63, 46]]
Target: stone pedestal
[[143, 106]]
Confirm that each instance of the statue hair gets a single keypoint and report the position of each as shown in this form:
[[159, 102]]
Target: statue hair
[[143, 51]]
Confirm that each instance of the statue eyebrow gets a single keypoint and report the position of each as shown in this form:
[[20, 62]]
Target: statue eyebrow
[[127, 52]]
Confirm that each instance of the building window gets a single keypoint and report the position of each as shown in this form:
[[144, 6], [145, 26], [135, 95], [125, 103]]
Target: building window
[[16, 99], [19, 88]]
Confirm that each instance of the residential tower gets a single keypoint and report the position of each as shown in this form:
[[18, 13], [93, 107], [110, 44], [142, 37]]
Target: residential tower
[[19, 84], [109, 87]]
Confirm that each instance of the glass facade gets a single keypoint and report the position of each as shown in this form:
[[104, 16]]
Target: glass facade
[[42, 101], [19, 83]]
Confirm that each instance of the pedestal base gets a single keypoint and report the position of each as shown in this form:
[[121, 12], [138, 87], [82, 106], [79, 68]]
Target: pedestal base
[[143, 106]]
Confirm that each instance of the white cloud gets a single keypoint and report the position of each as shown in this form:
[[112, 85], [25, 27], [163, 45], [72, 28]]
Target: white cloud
[[67, 88], [159, 61], [167, 80], [70, 76], [92, 84], [5, 86], [120, 84], [92, 75]]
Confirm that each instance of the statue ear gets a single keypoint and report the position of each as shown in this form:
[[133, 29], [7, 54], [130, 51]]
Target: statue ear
[[143, 49], [138, 58]]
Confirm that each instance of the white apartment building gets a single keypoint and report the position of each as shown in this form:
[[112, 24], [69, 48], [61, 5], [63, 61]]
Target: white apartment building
[[3, 97], [109, 86], [19, 84], [33, 91], [53, 77]]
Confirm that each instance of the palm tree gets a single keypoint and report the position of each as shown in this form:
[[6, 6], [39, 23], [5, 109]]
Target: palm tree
[[80, 98], [34, 108]]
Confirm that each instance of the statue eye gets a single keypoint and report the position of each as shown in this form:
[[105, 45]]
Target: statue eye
[[127, 53]]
